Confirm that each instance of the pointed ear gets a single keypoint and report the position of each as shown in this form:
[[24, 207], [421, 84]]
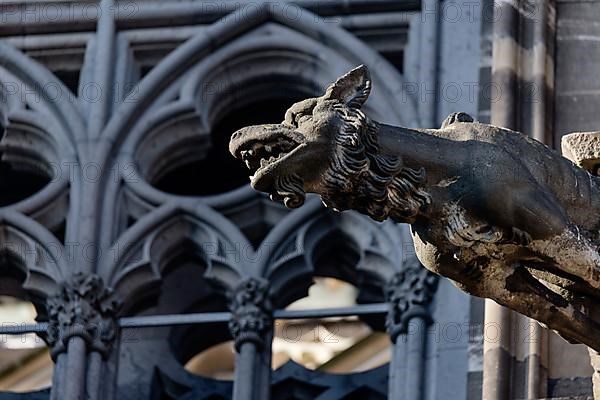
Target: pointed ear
[[353, 88]]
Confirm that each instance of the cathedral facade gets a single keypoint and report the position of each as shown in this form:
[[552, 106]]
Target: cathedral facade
[[137, 263]]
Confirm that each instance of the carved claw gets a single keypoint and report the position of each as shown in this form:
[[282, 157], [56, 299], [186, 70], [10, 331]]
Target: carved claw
[[474, 269], [520, 237], [462, 232]]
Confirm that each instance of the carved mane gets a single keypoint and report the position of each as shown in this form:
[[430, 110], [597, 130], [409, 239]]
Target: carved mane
[[360, 177]]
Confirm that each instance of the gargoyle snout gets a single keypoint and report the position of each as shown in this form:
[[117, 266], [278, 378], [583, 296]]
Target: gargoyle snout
[[245, 134], [256, 130], [260, 133]]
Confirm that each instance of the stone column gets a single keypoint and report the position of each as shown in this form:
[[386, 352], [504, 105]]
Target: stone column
[[428, 71], [522, 76], [56, 392], [595, 360], [408, 294], [82, 328], [251, 328], [3, 110]]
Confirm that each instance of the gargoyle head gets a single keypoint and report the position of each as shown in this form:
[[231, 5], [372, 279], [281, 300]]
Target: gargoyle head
[[290, 158], [327, 145]]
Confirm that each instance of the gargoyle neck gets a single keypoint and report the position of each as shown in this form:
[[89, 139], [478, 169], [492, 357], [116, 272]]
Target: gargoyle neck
[[416, 147]]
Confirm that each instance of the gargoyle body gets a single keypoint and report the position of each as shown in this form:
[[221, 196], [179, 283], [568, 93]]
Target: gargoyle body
[[498, 213]]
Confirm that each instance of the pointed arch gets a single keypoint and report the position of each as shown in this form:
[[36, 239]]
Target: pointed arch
[[236, 25], [55, 97], [365, 253], [43, 260], [43, 123], [137, 260], [28, 143], [228, 65]]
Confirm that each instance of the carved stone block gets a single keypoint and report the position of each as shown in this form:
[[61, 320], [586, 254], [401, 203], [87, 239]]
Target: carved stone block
[[83, 307], [583, 148]]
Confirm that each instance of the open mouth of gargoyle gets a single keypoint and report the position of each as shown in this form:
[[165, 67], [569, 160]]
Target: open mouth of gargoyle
[[264, 156]]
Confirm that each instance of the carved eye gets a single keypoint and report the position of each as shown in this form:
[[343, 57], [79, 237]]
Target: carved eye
[[290, 118]]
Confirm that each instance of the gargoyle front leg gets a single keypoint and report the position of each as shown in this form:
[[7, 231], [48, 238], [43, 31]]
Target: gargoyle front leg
[[523, 293], [540, 224], [573, 253], [514, 287]]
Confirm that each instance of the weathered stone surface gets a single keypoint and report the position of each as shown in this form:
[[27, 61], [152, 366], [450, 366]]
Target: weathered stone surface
[[500, 214]]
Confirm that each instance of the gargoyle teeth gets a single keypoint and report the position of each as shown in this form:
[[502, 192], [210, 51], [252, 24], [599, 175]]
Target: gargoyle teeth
[[260, 154], [256, 149]]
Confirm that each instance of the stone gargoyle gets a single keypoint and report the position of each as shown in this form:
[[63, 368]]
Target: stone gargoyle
[[500, 214]]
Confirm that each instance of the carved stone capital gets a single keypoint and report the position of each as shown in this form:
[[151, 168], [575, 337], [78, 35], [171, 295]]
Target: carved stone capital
[[83, 307], [408, 294], [251, 312]]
